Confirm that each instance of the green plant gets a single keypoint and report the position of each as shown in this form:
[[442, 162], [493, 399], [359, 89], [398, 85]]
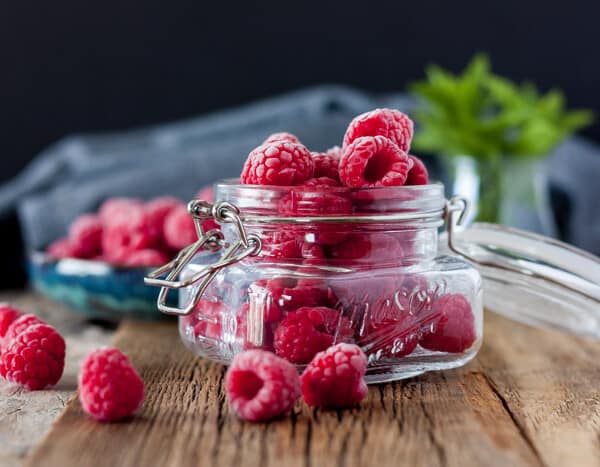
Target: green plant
[[484, 115]]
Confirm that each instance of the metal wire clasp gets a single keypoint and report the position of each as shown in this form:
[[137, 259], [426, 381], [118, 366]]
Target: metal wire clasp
[[213, 240]]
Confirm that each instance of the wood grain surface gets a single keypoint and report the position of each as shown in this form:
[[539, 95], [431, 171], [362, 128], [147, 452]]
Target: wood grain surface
[[531, 398]]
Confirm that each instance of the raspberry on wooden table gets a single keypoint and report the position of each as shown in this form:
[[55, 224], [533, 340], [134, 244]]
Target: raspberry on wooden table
[[389, 123], [35, 358], [418, 174], [308, 330], [110, 388], [373, 161], [282, 136], [278, 163], [261, 386], [8, 314], [335, 377], [454, 330]]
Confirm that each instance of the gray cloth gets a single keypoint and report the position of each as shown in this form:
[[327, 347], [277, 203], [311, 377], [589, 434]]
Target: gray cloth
[[75, 174]]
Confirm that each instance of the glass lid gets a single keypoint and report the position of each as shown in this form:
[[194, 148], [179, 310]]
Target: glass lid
[[532, 278]]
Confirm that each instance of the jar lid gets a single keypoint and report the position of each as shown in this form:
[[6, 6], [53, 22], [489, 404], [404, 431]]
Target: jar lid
[[532, 278]]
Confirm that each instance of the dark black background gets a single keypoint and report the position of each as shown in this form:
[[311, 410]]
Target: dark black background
[[71, 66]]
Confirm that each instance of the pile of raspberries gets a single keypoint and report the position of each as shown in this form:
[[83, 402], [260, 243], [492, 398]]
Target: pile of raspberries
[[32, 355], [129, 232]]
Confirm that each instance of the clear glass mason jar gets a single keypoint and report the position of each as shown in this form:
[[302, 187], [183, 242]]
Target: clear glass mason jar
[[294, 270]]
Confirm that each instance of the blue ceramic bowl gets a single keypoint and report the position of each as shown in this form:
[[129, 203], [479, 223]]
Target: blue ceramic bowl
[[96, 289]]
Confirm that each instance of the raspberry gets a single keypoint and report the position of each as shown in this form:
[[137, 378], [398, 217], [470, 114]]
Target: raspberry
[[308, 330], [8, 314], [117, 209], [86, 234], [418, 174], [179, 229], [19, 325], [207, 318], [326, 163], [282, 136], [127, 234], [335, 377], [389, 123], [306, 294], [64, 248], [322, 182], [454, 330], [374, 247], [146, 257], [110, 388], [35, 358], [157, 211], [373, 161], [278, 163], [289, 249], [261, 386]]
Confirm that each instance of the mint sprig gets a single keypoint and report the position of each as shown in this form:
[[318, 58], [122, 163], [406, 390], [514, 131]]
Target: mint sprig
[[485, 115]]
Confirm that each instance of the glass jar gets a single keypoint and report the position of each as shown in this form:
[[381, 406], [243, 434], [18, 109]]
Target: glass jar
[[294, 270]]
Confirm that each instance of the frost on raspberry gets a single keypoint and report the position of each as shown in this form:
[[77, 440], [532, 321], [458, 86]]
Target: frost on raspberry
[[389, 123], [418, 174], [179, 229], [335, 377], [35, 358], [308, 330], [126, 234], [261, 386], [373, 161], [278, 163], [115, 210], [110, 388], [454, 330], [282, 136]]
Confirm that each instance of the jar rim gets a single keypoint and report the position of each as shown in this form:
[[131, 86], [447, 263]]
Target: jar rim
[[262, 200]]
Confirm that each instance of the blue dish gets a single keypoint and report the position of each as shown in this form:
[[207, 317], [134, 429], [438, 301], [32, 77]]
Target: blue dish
[[96, 289]]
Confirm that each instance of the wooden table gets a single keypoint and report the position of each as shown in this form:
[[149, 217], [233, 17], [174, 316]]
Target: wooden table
[[531, 397]]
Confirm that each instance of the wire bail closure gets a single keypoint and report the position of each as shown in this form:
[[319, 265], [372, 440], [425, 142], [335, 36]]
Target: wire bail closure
[[250, 244], [247, 245]]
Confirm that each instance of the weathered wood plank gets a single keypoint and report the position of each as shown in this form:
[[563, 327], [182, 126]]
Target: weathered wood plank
[[503, 409]]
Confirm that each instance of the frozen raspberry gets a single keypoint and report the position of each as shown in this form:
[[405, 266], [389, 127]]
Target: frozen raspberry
[[19, 325], [326, 163], [206, 194], [179, 229], [308, 330], [335, 377], [146, 257], [278, 163], [454, 331], [64, 248], [117, 209], [322, 182], [8, 314], [282, 136], [35, 358], [110, 388], [86, 233], [261, 386], [128, 234], [389, 123], [418, 174], [157, 211], [374, 247], [373, 161]]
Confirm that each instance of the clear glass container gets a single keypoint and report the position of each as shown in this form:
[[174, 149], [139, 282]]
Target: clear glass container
[[293, 270]]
